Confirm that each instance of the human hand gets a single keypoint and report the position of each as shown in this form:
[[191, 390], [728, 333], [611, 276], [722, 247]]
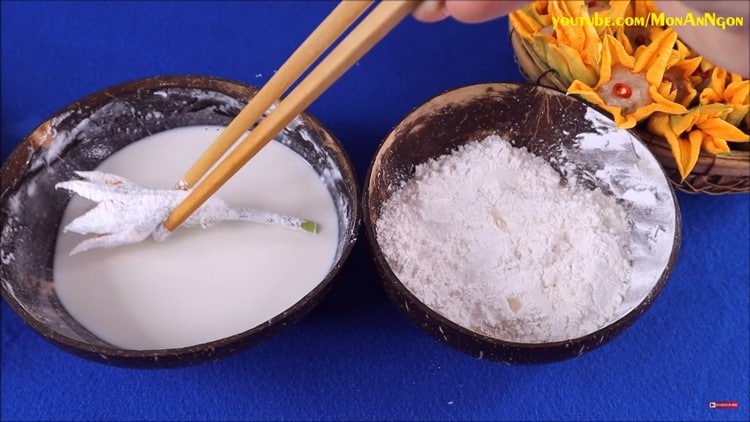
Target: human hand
[[726, 47], [467, 11]]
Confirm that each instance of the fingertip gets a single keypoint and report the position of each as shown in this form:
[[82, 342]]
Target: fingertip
[[481, 11], [430, 11]]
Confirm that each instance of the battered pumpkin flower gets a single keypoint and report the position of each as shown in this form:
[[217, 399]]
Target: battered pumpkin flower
[[732, 90], [628, 85], [703, 127]]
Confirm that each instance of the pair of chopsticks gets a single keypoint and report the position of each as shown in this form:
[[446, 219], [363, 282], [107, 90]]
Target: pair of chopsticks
[[383, 18]]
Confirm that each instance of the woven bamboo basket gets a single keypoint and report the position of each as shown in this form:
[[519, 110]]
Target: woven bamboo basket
[[713, 174]]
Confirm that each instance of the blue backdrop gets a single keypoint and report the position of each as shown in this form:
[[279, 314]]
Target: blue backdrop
[[355, 356]]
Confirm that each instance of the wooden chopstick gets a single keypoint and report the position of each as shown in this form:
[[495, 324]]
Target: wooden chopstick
[[316, 43], [360, 40]]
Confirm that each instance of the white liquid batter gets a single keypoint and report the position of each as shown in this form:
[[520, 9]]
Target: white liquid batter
[[200, 284]]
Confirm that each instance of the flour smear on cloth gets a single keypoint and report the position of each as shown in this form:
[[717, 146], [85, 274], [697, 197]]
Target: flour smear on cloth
[[489, 238]]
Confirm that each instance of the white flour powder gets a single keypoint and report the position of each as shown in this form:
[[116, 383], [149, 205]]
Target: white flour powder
[[488, 238]]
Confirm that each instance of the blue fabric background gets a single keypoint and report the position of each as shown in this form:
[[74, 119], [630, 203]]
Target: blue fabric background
[[355, 357]]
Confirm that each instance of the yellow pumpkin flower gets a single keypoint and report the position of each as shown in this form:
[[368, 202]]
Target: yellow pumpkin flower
[[566, 61], [525, 23], [678, 79], [610, 10], [676, 82], [685, 51], [632, 37], [628, 85], [735, 93], [639, 73], [536, 27], [701, 127], [641, 8], [639, 34], [532, 20], [539, 7], [581, 34]]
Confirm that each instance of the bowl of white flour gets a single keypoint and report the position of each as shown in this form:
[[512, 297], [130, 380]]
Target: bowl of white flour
[[517, 224]]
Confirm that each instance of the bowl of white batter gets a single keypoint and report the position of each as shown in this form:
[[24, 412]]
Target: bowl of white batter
[[517, 224], [203, 293]]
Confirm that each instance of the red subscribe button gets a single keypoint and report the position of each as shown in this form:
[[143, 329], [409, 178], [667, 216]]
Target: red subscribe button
[[723, 405]]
